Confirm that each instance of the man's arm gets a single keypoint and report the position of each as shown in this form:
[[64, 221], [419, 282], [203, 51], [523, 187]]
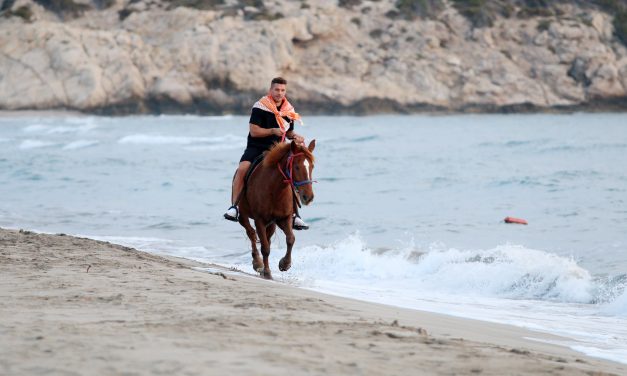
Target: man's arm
[[257, 131], [298, 139]]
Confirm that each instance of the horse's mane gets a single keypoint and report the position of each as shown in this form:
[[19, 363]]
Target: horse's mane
[[278, 151]]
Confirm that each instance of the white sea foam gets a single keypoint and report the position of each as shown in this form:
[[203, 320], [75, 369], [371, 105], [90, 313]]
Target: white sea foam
[[226, 146], [508, 284], [157, 245], [35, 128], [34, 144], [80, 144], [618, 307], [550, 293], [150, 139], [202, 118], [64, 129], [138, 242], [81, 127], [615, 354], [506, 271]]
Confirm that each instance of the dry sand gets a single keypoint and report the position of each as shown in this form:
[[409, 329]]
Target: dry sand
[[72, 306]]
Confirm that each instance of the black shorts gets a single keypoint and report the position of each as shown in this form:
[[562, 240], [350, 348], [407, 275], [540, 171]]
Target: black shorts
[[251, 153]]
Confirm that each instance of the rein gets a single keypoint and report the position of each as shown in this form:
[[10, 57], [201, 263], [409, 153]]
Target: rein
[[288, 173]]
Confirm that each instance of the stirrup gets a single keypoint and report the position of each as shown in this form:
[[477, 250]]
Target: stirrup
[[299, 224], [229, 215]]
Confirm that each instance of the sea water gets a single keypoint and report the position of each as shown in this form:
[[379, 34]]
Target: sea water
[[408, 210]]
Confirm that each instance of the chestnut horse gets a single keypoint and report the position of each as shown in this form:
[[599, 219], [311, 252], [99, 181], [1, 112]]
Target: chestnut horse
[[272, 191]]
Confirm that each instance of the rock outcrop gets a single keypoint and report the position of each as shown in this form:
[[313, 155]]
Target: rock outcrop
[[149, 56]]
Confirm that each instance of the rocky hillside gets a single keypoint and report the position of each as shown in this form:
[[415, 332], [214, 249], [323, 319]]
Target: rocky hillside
[[355, 56]]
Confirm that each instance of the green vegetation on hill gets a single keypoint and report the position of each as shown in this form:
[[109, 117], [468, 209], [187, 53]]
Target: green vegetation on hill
[[620, 26], [24, 12], [261, 12], [483, 13], [480, 13], [64, 8], [619, 9], [348, 3], [421, 8], [196, 4]]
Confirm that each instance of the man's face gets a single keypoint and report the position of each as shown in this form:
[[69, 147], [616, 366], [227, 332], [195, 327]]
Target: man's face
[[277, 91]]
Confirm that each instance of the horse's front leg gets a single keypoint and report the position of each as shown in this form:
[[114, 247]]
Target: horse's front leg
[[286, 226], [252, 235], [265, 248]]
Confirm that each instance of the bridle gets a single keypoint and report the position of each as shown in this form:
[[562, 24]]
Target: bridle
[[288, 175]]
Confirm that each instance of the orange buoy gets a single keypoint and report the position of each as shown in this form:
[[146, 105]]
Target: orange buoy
[[515, 220]]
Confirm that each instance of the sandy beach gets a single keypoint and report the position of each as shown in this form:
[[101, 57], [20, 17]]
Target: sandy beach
[[73, 306]]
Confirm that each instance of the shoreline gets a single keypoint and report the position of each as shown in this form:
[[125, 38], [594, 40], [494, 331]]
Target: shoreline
[[80, 305], [363, 107]]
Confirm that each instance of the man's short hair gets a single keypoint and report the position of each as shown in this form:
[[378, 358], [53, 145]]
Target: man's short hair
[[278, 80]]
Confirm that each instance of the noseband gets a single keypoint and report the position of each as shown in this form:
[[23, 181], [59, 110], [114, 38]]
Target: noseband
[[288, 173]]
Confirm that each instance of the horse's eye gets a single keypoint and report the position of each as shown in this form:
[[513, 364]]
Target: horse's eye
[[297, 168]]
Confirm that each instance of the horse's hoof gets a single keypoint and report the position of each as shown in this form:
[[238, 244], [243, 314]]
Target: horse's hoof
[[266, 274], [258, 266], [284, 266]]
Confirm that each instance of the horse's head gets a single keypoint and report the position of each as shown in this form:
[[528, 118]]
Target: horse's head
[[302, 161]]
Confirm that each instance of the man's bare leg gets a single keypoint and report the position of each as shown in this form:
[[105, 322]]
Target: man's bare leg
[[238, 181], [238, 184]]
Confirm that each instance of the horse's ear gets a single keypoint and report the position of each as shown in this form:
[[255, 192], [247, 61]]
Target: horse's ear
[[312, 145], [293, 147]]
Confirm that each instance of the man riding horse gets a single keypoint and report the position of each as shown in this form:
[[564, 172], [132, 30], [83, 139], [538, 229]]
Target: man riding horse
[[271, 121]]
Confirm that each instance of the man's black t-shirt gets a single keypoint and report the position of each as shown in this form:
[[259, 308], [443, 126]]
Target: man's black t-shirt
[[266, 120]]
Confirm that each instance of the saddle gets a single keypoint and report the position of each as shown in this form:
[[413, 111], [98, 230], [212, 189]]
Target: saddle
[[252, 167]]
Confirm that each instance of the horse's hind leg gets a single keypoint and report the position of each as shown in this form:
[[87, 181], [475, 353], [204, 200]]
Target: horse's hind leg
[[270, 229], [265, 248], [286, 226], [252, 235]]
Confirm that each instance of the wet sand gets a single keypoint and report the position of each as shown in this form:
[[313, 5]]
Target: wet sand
[[72, 306]]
